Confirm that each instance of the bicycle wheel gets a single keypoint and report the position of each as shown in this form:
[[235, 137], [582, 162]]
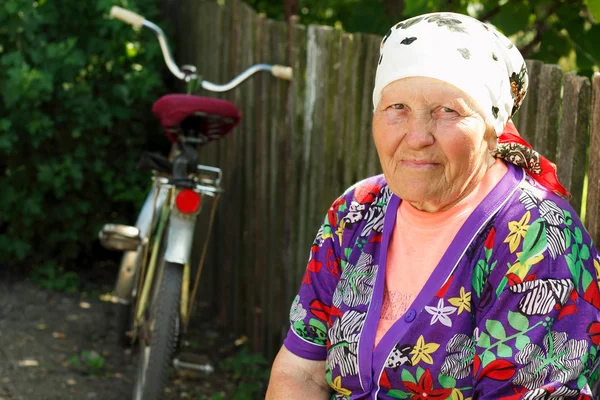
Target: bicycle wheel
[[158, 344]]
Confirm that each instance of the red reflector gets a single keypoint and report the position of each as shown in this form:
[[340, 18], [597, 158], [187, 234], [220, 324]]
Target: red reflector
[[187, 201]]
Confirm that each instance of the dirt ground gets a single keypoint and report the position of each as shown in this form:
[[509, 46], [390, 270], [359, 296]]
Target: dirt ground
[[55, 346]]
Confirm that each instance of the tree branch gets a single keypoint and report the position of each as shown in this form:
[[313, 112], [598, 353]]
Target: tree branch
[[541, 26], [394, 9]]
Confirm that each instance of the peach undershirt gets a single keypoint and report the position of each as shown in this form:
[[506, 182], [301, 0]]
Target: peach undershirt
[[418, 242]]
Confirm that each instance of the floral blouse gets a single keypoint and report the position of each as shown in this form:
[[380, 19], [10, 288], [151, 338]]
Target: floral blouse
[[512, 310]]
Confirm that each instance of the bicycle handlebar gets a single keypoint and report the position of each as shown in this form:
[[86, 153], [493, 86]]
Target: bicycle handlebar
[[188, 74], [127, 16]]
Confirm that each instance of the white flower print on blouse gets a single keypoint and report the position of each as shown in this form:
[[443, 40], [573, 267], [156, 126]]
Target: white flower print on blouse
[[343, 336], [356, 283], [297, 312], [441, 313], [559, 358]]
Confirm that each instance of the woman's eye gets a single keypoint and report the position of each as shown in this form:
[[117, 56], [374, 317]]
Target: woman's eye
[[447, 110], [398, 106]]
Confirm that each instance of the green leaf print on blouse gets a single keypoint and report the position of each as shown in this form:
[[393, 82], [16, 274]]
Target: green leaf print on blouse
[[483, 268], [535, 241], [496, 342], [315, 331]]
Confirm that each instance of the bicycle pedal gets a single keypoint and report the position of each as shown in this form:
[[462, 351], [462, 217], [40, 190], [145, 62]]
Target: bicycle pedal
[[119, 237], [207, 368]]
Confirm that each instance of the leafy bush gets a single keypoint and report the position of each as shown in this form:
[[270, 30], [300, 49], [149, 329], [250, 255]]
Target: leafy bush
[[49, 276], [75, 95], [250, 372]]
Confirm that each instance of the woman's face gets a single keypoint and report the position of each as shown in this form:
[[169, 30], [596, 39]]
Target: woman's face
[[433, 145]]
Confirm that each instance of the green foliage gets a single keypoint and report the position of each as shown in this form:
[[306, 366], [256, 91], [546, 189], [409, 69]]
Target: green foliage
[[49, 276], [554, 31], [92, 361], [250, 372], [75, 97]]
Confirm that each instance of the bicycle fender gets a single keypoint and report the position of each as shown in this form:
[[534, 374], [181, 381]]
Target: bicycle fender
[[180, 236], [145, 216]]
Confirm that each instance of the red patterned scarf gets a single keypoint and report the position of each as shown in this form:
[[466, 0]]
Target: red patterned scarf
[[514, 149]]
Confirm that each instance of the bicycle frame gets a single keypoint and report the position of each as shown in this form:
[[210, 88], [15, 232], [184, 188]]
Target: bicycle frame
[[160, 220]]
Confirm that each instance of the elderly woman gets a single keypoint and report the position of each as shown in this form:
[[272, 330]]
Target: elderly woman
[[461, 272]]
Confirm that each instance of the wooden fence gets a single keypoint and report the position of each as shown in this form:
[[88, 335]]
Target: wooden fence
[[301, 143]]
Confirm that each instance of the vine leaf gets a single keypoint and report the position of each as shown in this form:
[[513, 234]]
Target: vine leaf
[[504, 350], [518, 321], [584, 253], [522, 341], [586, 279], [501, 285], [578, 235], [487, 358], [535, 241], [569, 258], [496, 329], [447, 382], [484, 340], [398, 394], [420, 372], [407, 377]]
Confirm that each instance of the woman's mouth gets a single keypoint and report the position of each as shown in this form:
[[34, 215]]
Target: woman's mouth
[[419, 164]]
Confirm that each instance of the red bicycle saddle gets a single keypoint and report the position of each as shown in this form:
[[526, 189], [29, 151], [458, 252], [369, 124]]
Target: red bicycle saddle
[[190, 115]]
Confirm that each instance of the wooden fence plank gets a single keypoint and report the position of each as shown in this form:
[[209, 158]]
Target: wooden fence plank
[[350, 62], [373, 44], [235, 288], [341, 105], [546, 136], [574, 136], [592, 217], [332, 122], [526, 116], [318, 204], [371, 166], [316, 59], [219, 153], [248, 194], [281, 147], [298, 40], [261, 159], [287, 199], [273, 105], [355, 137]]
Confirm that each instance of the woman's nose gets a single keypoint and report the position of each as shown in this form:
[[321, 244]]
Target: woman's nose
[[420, 132]]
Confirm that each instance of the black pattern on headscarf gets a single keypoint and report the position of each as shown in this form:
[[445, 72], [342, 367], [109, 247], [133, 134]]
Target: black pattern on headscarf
[[519, 155]]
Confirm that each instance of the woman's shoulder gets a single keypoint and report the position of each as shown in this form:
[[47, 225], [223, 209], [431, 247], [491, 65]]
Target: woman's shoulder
[[354, 204], [359, 212], [538, 202], [361, 195]]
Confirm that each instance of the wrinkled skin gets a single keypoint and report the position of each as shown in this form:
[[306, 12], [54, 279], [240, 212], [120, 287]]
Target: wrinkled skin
[[432, 141]]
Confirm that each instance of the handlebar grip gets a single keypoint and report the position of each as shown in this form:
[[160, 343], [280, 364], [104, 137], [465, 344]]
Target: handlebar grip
[[282, 72], [127, 16]]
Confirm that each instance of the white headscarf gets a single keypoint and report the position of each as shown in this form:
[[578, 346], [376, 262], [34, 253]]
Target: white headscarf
[[459, 50]]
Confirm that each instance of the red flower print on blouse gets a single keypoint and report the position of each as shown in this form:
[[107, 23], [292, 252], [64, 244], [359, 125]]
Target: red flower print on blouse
[[366, 193], [489, 241], [424, 389]]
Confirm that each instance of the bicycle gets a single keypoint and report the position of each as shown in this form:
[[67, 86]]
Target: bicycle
[[152, 292]]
